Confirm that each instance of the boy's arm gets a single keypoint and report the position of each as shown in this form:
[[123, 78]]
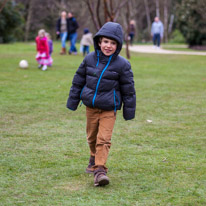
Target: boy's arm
[[78, 83], [128, 92]]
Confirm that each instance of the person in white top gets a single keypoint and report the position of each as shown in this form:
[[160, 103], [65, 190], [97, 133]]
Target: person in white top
[[86, 41]]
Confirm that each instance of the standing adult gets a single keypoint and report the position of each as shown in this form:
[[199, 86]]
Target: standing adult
[[72, 27], [131, 31], [157, 32], [61, 30]]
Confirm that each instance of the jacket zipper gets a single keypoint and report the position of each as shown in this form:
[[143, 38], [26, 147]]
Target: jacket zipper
[[95, 94], [115, 106]]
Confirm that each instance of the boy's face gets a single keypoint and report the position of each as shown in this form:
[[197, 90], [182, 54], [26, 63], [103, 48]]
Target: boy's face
[[108, 46]]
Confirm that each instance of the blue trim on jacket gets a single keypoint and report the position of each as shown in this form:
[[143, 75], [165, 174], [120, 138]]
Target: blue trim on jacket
[[100, 79]]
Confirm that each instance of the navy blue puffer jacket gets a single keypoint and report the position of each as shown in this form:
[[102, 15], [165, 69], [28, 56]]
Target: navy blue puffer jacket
[[105, 82]]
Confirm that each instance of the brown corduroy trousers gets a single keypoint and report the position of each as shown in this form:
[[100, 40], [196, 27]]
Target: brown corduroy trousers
[[100, 124]]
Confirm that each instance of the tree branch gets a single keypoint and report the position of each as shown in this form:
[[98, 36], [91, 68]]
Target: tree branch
[[107, 10], [92, 14], [120, 6], [116, 11], [97, 12]]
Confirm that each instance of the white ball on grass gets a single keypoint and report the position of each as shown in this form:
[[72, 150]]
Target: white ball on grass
[[23, 64]]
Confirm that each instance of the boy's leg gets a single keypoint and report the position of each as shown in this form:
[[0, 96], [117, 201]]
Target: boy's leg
[[103, 142], [92, 128]]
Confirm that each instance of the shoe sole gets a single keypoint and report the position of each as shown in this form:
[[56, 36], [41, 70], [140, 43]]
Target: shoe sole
[[102, 181]]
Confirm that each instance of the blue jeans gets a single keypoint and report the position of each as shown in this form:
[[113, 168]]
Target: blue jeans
[[73, 38], [156, 38], [85, 49], [63, 39]]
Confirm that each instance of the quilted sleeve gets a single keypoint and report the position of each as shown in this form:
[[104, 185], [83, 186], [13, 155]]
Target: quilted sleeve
[[128, 92]]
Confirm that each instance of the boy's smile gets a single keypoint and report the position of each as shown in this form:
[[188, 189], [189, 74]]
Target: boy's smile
[[108, 46]]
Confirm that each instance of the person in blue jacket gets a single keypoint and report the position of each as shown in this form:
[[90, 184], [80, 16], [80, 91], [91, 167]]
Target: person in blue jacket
[[103, 81], [157, 31]]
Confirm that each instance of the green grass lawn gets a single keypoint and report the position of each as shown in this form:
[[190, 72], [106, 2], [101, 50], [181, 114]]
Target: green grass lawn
[[43, 149]]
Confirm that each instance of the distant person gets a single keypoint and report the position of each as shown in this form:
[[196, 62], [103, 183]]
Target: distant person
[[43, 58], [86, 41], [131, 31], [157, 32], [50, 44], [72, 27], [61, 30], [103, 81]]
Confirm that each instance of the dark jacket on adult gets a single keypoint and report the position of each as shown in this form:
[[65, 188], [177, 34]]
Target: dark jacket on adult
[[105, 82], [72, 25], [58, 26]]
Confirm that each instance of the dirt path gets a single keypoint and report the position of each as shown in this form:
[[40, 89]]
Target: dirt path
[[151, 49]]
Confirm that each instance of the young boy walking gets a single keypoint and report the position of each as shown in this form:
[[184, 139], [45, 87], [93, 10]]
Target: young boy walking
[[103, 81]]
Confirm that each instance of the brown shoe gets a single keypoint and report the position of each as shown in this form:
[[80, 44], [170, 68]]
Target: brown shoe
[[90, 168], [100, 178], [63, 51]]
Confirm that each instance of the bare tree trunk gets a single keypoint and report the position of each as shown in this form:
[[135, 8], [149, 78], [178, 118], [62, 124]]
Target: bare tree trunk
[[117, 9], [171, 23], [91, 10], [28, 20], [165, 20], [112, 10], [157, 8], [148, 15], [108, 11], [3, 5], [97, 12], [128, 30], [105, 11]]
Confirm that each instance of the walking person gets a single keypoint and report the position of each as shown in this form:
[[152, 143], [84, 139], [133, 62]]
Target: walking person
[[43, 58], [157, 32], [131, 31], [61, 30], [72, 27], [103, 81], [86, 41]]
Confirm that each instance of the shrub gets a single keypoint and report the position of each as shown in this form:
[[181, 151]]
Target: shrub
[[192, 21]]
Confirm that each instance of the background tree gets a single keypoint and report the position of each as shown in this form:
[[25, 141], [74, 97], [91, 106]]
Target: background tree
[[192, 23], [10, 21], [104, 11], [189, 16]]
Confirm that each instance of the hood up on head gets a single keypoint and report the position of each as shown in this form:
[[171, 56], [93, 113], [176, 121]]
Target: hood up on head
[[112, 31]]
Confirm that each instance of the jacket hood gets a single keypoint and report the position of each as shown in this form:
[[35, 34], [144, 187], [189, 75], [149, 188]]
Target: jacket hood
[[112, 31]]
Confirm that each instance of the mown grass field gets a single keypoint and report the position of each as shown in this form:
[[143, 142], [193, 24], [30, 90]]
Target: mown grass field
[[43, 149]]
